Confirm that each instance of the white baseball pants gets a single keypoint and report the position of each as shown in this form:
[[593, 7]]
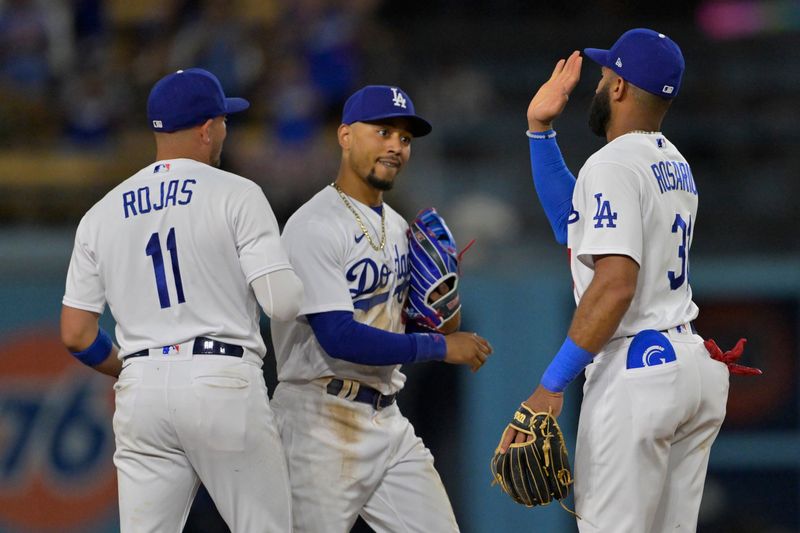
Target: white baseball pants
[[644, 438], [202, 418], [346, 458]]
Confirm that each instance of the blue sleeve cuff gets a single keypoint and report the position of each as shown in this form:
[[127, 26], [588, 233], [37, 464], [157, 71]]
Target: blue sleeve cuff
[[430, 347], [541, 135]]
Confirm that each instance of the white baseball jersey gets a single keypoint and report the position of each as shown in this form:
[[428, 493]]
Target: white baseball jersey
[[637, 197], [653, 403], [173, 249], [342, 272]]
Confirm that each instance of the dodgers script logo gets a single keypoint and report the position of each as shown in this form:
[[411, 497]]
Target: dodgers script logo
[[56, 441], [398, 100], [367, 280]]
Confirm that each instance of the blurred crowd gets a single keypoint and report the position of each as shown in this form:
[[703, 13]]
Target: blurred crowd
[[75, 74]]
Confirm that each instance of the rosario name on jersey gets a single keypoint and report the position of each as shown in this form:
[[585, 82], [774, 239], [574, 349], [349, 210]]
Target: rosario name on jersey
[[172, 250], [637, 197], [342, 272]]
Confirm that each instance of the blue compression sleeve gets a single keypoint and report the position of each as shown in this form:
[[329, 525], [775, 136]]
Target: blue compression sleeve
[[553, 181], [344, 338]]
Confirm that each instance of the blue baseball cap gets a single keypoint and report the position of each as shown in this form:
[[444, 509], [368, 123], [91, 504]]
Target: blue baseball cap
[[187, 98], [376, 102], [648, 59]]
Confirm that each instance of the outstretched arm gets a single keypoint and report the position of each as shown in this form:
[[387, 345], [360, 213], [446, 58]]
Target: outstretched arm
[[342, 337], [553, 181]]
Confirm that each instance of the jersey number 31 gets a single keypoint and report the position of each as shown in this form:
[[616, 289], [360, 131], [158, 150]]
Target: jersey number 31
[[676, 279], [153, 249]]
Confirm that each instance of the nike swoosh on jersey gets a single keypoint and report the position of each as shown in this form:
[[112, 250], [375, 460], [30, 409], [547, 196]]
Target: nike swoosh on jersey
[[360, 238]]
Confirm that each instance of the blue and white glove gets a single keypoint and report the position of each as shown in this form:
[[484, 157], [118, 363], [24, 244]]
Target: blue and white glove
[[433, 258]]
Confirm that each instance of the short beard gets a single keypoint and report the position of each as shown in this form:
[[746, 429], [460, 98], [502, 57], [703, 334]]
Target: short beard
[[600, 113], [375, 181]]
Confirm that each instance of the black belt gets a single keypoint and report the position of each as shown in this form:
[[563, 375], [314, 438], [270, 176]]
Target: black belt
[[365, 394], [202, 346], [679, 327]]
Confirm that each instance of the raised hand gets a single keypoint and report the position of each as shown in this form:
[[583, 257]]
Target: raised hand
[[551, 98]]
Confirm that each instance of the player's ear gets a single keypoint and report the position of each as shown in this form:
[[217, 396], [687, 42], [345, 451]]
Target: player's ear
[[619, 89], [205, 131], [344, 134]]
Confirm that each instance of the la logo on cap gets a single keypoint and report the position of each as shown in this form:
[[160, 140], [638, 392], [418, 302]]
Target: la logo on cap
[[398, 100]]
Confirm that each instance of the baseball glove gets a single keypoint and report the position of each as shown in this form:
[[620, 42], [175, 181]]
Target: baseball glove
[[433, 259], [537, 471]]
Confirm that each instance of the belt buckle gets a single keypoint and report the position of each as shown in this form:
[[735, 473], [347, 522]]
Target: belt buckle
[[377, 402]]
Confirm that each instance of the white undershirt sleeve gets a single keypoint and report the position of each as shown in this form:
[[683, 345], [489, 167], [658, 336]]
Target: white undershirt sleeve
[[279, 293]]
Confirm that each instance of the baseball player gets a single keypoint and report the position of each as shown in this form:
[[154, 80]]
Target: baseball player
[[654, 400], [350, 450], [181, 251]]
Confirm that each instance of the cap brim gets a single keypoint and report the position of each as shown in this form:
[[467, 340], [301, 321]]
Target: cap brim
[[234, 105], [417, 126], [598, 55]]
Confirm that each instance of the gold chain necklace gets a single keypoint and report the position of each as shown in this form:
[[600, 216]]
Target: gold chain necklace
[[376, 247]]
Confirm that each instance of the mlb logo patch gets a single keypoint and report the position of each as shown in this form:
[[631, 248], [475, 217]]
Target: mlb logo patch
[[172, 348], [661, 142], [161, 167], [158, 124]]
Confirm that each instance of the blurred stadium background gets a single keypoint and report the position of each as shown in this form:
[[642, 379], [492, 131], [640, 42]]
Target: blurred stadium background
[[74, 78]]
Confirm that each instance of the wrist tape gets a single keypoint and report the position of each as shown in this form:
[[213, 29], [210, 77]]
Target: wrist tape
[[565, 366]]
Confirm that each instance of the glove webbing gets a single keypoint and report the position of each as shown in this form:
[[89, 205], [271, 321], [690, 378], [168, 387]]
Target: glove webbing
[[423, 239]]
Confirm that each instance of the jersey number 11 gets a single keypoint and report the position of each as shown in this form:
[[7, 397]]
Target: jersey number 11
[[153, 249]]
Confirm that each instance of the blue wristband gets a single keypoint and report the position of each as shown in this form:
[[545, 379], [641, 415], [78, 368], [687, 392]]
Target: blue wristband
[[565, 366], [541, 135], [430, 347], [97, 352]]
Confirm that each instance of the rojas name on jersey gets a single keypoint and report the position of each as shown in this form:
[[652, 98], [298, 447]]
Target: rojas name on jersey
[[169, 193]]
